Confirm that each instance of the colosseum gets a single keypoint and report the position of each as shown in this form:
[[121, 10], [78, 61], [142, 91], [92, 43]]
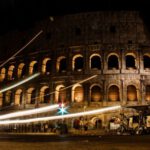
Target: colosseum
[[113, 45]]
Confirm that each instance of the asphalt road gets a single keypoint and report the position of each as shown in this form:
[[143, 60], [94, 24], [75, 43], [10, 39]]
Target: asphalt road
[[68, 142], [61, 138]]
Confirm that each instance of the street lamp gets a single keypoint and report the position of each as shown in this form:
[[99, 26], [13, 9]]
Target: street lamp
[[62, 109], [84, 108]]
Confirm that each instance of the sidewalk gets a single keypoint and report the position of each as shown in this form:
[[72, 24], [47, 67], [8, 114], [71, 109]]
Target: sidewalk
[[72, 132], [88, 132]]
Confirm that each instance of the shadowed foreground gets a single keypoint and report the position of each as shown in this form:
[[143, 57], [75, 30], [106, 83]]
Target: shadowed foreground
[[41, 142], [84, 145]]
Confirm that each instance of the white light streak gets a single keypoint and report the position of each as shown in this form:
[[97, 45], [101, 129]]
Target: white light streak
[[30, 78], [30, 112], [92, 112], [89, 78], [19, 83], [84, 80], [21, 48]]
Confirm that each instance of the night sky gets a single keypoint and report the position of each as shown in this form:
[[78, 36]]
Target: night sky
[[20, 14]]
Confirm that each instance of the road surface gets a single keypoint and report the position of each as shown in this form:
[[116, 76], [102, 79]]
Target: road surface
[[65, 142]]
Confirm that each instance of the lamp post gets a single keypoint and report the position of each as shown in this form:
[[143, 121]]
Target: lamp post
[[122, 85], [142, 89], [84, 120], [84, 108]]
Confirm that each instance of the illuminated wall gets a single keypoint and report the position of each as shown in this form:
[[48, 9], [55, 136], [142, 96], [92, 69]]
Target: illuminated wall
[[110, 48]]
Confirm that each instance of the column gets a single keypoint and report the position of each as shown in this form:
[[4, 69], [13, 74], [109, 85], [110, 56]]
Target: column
[[52, 93], [86, 61], [123, 67], [104, 92], [24, 97], [37, 100], [142, 91], [68, 95], [86, 94], [122, 92]]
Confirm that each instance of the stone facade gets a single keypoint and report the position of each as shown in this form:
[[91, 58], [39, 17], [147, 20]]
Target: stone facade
[[112, 45]]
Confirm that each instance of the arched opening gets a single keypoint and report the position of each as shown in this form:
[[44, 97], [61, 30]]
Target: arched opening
[[147, 95], [11, 72], [96, 94], [44, 94], [77, 93], [1, 99], [97, 122], [60, 94], [8, 98], [130, 62], [113, 62], [31, 96], [19, 97], [131, 93], [113, 93], [33, 67], [21, 70], [47, 66], [146, 60], [95, 62], [24, 71], [78, 63], [2, 74], [61, 65]]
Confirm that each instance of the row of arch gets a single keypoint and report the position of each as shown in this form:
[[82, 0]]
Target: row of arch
[[77, 95], [95, 62]]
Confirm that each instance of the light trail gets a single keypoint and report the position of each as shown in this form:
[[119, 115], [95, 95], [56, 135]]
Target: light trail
[[21, 48], [44, 109], [84, 80], [30, 112], [19, 83], [30, 78], [89, 78], [92, 112]]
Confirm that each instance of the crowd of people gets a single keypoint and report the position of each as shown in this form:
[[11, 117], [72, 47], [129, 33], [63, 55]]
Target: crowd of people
[[59, 126]]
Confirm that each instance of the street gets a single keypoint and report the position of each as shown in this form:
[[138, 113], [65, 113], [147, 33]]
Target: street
[[68, 142]]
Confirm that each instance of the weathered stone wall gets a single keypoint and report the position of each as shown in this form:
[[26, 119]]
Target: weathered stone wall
[[104, 33]]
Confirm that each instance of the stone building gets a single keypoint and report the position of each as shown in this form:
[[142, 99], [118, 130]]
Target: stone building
[[113, 45]]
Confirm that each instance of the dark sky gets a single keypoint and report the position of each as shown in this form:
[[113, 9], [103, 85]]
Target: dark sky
[[18, 14]]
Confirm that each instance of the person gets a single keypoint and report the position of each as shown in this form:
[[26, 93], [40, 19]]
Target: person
[[81, 123], [85, 125], [76, 124], [65, 127], [51, 127], [98, 123], [45, 127], [141, 118]]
